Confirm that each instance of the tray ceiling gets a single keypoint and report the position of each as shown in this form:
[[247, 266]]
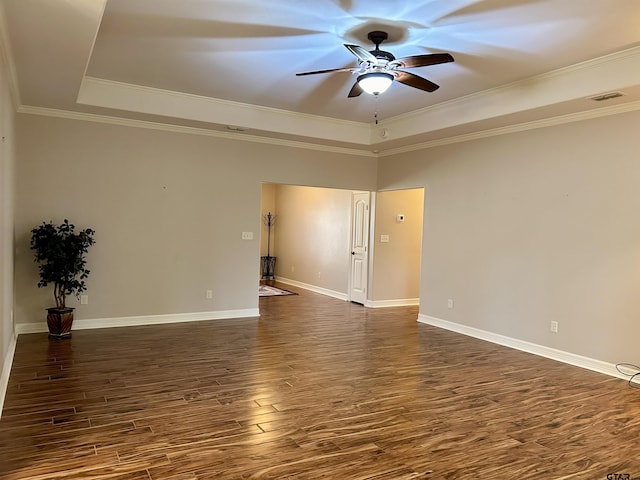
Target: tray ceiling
[[215, 64]]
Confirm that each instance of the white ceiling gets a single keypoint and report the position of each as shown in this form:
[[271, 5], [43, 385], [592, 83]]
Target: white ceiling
[[210, 64]]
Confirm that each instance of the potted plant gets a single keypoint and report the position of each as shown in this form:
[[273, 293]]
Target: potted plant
[[60, 253]]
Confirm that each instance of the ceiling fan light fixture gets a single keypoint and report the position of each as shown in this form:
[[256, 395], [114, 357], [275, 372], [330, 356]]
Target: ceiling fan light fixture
[[375, 83]]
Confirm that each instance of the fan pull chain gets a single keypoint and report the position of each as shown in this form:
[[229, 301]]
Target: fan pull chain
[[375, 113]]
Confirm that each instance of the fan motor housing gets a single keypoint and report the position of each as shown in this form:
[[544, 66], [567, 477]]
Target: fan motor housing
[[377, 37], [383, 55]]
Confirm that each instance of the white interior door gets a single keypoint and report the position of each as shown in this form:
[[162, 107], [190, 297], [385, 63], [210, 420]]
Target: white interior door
[[359, 247]]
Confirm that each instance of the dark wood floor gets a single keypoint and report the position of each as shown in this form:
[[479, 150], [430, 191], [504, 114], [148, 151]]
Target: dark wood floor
[[317, 388]]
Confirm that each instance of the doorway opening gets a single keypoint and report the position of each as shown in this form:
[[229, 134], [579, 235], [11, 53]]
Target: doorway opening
[[313, 238]]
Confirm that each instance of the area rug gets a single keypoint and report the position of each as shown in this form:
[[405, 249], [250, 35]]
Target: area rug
[[269, 291]]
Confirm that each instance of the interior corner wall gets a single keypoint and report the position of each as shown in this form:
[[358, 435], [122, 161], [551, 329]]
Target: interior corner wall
[[7, 163], [396, 262], [532, 227], [168, 209], [312, 233]]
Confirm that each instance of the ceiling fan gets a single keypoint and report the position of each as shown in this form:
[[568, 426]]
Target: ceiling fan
[[378, 69]]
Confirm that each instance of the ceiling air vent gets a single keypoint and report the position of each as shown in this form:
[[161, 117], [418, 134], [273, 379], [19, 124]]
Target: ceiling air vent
[[606, 96]]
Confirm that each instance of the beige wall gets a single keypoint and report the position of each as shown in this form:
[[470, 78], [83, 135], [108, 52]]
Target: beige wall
[[532, 227], [168, 210], [519, 229], [396, 263], [313, 233], [6, 226]]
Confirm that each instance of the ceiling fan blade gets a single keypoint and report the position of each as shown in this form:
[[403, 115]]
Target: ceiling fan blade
[[361, 53], [325, 71], [423, 60], [355, 91], [416, 82]]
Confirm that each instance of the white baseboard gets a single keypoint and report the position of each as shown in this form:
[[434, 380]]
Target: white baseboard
[[6, 371], [313, 288], [402, 302], [86, 324], [547, 352]]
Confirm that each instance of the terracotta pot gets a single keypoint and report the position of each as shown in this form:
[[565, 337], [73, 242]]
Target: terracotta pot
[[59, 321]]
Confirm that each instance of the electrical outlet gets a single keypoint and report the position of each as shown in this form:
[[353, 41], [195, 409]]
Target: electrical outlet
[[209, 294], [84, 299], [449, 303], [554, 327], [384, 238]]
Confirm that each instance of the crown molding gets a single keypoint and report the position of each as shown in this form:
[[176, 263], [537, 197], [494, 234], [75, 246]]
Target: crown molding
[[631, 54], [521, 127], [129, 97], [580, 81], [128, 122]]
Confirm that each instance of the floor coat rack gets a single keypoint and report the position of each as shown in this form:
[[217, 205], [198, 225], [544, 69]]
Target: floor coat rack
[[267, 262]]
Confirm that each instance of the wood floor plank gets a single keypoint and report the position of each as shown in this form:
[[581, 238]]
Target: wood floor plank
[[316, 388]]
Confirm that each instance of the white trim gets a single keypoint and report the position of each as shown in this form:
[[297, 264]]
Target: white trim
[[493, 132], [100, 92], [628, 57], [6, 371], [581, 81], [91, 323], [540, 350], [313, 288], [616, 71], [400, 302], [343, 296], [167, 127], [519, 127], [371, 243]]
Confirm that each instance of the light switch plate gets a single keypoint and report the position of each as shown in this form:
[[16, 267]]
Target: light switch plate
[[384, 238], [247, 235]]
